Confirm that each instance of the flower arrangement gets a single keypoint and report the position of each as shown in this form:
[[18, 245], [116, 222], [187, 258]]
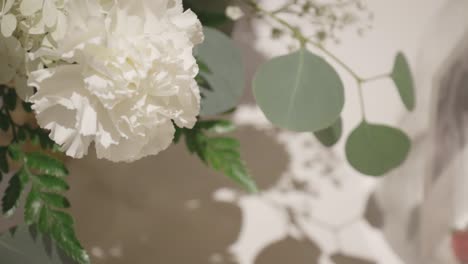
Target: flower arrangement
[[133, 77]]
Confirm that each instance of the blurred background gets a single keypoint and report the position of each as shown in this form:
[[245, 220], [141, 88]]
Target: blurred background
[[313, 207]]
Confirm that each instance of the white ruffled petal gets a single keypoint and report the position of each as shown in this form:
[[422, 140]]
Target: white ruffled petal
[[129, 83], [189, 22], [135, 148]]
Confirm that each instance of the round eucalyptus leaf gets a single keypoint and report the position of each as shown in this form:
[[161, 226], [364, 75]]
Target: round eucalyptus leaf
[[376, 149], [225, 74], [300, 92], [401, 75], [24, 245], [330, 135]]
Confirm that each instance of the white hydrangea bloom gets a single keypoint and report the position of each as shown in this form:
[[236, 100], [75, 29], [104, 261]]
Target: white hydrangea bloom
[[132, 75], [27, 25], [11, 59], [8, 20], [43, 15]]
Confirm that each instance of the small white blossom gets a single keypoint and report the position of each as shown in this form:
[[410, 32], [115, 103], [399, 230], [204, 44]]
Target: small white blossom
[[132, 76], [234, 12], [8, 20], [11, 59], [27, 25]]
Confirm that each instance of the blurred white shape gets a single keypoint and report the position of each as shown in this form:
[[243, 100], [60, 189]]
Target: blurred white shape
[[225, 195], [262, 225], [216, 258], [192, 204], [234, 12], [116, 251], [97, 252]]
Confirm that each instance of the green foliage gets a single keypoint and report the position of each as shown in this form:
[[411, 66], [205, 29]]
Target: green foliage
[[401, 75], [299, 92], [4, 167], [10, 99], [45, 174], [52, 183], [201, 78], [212, 19], [207, 18], [45, 164], [45, 201], [376, 149], [23, 245], [221, 76], [220, 153], [330, 135], [13, 192]]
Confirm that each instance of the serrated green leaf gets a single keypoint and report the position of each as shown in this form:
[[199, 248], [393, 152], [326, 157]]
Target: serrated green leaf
[[376, 149], [52, 183], [202, 66], [4, 122], [54, 200], [220, 153], [45, 141], [10, 99], [27, 107], [203, 84], [300, 92], [46, 164], [13, 192], [330, 136], [62, 217], [21, 247], [195, 142], [177, 134], [223, 155], [32, 207], [401, 75], [14, 152], [4, 167], [43, 222], [66, 239], [21, 134]]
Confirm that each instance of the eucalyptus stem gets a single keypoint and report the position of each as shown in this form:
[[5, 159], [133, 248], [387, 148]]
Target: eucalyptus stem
[[377, 77], [361, 100], [284, 8]]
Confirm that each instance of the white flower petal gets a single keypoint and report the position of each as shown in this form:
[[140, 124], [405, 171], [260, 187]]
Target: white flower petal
[[189, 22], [129, 150], [8, 5], [49, 13], [8, 25], [60, 27], [22, 89], [29, 7], [6, 73], [11, 59], [134, 75]]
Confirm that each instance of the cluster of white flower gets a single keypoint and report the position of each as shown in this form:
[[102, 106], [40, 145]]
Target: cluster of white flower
[[26, 25], [119, 73]]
